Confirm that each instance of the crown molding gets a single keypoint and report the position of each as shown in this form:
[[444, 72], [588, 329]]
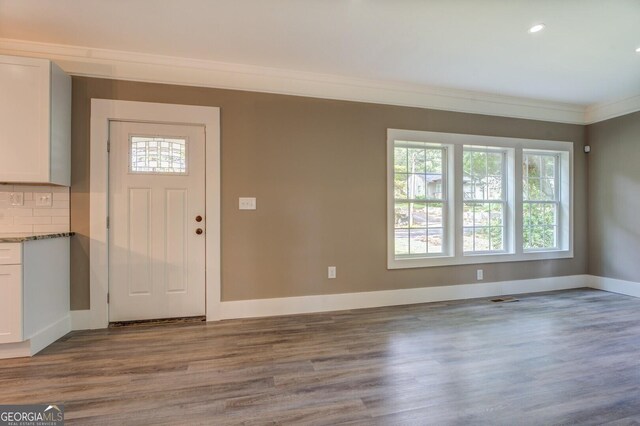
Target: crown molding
[[122, 65], [607, 110]]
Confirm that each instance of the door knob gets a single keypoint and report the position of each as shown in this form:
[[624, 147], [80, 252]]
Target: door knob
[[198, 218], [199, 231]]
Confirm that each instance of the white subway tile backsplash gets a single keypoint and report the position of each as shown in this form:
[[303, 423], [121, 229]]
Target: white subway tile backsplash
[[61, 196], [32, 220], [50, 228], [34, 188], [10, 229], [18, 211], [60, 220], [50, 212], [28, 217]]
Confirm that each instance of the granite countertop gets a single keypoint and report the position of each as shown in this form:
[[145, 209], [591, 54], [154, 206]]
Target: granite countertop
[[19, 237]]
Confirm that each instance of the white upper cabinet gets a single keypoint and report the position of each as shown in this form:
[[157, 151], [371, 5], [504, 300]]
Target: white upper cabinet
[[35, 121]]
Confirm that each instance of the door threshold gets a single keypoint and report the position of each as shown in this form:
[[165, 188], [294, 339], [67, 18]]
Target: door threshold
[[158, 321]]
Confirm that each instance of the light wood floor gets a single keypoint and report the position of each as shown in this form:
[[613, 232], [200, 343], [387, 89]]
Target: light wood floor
[[570, 357]]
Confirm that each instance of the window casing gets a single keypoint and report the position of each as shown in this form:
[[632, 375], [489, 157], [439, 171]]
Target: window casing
[[477, 206]]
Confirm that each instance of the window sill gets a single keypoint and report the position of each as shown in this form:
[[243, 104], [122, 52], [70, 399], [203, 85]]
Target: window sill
[[472, 259]]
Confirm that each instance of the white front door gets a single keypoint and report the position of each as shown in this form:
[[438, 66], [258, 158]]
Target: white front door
[[156, 221]]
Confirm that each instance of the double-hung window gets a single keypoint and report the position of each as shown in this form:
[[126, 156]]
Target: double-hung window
[[541, 202], [420, 198], [485, 199], [462, 199]]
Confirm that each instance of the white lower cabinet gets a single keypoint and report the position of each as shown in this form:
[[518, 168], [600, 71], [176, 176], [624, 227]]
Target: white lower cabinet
[[10, 303], [34, 295]]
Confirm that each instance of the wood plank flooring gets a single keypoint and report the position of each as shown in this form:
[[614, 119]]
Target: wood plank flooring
[[569, 357]]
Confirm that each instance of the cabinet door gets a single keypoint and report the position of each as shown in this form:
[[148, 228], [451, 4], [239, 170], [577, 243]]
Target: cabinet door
[[24, 119], [10, 303], [10, 253]]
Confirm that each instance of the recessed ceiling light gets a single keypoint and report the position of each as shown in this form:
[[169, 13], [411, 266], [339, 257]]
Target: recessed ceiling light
[[536, 28], [638, 50]]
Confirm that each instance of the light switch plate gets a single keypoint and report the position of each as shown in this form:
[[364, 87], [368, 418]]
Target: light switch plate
[[16, 198], [247, 203], [43, 199]]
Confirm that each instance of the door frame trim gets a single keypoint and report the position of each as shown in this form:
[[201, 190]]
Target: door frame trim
[[103, 111]]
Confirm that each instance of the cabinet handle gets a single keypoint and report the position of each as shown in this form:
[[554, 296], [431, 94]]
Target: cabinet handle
[[199, 231]]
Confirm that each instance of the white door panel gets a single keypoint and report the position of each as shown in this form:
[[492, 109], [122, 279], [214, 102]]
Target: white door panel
[[176, 241], [156, 258]]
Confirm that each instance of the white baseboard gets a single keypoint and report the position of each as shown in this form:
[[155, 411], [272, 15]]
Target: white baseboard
[[81, 320], [337, 302], [38, 340], [15, 350], [613, 285], [50, 334]]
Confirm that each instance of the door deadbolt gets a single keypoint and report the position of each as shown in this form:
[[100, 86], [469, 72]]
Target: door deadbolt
[[198, 218]]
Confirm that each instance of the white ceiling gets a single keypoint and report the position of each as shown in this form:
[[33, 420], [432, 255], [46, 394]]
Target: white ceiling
[[586, 54]]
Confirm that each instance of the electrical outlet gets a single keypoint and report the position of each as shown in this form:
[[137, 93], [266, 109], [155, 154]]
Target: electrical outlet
[[247, 203], [43, 199], [16, 198], [480, 274], [331, 272]]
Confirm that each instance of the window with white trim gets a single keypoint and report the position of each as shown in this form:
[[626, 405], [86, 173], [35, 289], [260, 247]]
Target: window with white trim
[[485, 199], [420, 199], [541, 204], [463, 199]]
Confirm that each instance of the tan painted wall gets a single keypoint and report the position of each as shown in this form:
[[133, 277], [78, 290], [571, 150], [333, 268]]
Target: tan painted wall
[[318, 170], [614, 198]]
